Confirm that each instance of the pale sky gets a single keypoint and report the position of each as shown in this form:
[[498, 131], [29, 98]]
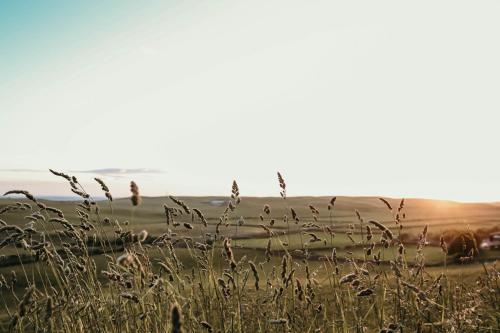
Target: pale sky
[[392, 98]]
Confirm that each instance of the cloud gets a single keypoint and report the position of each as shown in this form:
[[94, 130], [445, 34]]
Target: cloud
[[118, 171], [104, 171], [22, 170]]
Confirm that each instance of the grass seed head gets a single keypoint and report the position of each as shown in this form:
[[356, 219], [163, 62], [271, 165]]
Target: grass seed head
[[135, 198]]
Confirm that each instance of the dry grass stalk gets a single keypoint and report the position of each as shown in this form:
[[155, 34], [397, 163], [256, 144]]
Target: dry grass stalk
[[135, 198]]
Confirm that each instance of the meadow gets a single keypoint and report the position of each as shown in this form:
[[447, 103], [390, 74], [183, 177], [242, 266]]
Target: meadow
[[245, 264]]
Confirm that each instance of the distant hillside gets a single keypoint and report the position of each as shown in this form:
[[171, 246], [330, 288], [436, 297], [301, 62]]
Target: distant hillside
[[439, 214]]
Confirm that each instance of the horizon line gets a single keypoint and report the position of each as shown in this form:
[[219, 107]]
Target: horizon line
[[102, 198]]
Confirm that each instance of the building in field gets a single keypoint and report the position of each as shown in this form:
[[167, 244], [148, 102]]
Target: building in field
[[492, 242]]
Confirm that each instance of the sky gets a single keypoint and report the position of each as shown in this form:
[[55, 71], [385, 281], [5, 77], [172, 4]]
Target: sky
[[389, 98]]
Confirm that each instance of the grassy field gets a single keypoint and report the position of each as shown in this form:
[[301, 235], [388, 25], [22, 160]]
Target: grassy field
[[440, 216], [245, 264]]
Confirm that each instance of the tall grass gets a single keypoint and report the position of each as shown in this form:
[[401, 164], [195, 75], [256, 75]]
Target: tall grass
[[188, 281]]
